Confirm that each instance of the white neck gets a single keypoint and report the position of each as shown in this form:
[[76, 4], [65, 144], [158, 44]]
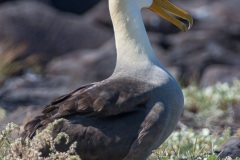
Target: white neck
[[134, 50]]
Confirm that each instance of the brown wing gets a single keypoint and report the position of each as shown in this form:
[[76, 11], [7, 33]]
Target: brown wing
[[106, 98]]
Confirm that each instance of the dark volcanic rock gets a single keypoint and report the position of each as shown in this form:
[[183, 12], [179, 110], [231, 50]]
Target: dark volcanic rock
[[214, 39], [73, 6], [219, 73], [1, 1], [86, 65], [32, 89], [32, 34], [231, 148]]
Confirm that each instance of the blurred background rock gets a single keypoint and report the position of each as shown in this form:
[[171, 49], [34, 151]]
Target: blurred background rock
[[49, 47]]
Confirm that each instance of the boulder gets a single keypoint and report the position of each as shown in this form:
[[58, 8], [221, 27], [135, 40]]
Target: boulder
[[86, 65], [219, 73], [231, 148], [30, 37]]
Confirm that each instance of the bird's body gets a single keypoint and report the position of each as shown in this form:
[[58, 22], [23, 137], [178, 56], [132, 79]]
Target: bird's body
[[129, 114]]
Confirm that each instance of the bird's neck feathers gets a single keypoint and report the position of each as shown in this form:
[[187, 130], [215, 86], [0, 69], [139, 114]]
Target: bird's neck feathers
[[134, 51]]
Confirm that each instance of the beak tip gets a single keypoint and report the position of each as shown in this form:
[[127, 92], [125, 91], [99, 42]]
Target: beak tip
[[190, 23], [184, 27]]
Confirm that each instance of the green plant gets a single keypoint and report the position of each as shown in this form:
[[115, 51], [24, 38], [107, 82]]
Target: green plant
[[212, 104], [190, 144]]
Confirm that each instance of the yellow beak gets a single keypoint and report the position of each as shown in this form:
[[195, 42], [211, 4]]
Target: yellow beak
[[164, 7]]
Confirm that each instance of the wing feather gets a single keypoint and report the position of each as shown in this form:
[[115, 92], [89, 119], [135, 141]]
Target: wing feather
[[102, 99]]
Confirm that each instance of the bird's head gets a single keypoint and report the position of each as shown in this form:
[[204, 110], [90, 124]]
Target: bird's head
[[167, 10]]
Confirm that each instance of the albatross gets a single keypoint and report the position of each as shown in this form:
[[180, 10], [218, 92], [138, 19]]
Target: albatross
[[131, 113]]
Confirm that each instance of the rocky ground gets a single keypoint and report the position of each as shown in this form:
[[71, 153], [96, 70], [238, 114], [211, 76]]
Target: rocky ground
[[49, 47]]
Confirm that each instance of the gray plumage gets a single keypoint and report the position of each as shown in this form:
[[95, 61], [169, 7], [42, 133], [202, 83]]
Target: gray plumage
[[113, 119]]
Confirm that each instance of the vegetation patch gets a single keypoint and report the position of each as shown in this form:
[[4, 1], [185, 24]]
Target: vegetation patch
[[12, 149], [211, 105], [189, 144]]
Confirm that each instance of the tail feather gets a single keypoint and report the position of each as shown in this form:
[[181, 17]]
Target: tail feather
[[32, 126]]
